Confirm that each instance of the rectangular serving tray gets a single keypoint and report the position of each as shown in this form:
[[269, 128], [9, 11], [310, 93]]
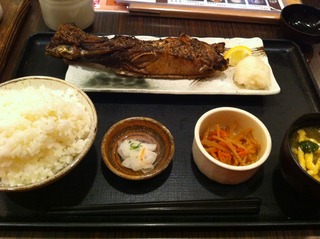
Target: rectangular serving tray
[[91, 183]]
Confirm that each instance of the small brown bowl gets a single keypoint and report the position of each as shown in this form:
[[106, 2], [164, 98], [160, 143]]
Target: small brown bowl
[[301, 23], [299, 180], [145, 130]]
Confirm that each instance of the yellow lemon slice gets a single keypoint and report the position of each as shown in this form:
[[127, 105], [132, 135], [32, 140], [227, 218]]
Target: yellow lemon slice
[[236, 54]]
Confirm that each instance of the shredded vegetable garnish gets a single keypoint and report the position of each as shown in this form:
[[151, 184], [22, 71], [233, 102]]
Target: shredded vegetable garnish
[[231, 145]]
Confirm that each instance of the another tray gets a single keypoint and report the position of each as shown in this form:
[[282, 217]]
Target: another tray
[[91, 183]]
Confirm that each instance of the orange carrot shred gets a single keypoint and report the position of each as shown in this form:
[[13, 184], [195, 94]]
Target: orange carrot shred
[[231, 145]]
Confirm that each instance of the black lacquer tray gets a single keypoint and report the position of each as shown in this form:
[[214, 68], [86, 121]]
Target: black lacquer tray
[[91, 183]]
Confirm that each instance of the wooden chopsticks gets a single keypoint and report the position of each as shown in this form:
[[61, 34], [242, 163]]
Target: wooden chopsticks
[[245, 206]]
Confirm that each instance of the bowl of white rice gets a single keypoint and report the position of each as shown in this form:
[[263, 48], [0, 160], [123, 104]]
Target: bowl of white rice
[[47, 126]]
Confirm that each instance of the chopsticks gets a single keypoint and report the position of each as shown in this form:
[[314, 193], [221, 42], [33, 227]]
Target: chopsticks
[[243, 206]]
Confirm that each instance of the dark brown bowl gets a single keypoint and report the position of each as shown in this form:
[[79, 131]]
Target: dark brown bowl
[[304, 184], [301, 23], [145, 130]]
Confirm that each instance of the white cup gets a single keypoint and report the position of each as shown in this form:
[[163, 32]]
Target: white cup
[[56, 12]]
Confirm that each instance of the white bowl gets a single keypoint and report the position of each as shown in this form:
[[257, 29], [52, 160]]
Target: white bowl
[[217, 170], [54, 84]]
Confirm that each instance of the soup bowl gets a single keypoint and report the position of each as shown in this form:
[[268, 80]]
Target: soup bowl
[[301, 23], [300, 181]]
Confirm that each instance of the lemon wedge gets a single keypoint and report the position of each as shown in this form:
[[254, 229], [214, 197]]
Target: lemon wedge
[[236, 54]]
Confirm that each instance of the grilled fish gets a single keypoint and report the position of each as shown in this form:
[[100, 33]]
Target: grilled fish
[[180, 57]]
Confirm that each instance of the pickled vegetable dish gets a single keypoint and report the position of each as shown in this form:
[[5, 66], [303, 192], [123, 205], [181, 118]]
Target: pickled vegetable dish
[[231, 145], [137, 155]]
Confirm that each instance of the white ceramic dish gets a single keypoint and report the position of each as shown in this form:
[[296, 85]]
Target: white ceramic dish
[[54, 84], [213, 168], [92, 80]]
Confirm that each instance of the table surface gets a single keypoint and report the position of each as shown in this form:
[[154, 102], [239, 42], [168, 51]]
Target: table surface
[[117, 23]]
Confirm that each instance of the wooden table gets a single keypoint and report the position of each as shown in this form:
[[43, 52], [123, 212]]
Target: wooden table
[[113, 23]]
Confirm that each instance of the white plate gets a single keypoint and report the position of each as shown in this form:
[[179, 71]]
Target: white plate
[[93, 80]]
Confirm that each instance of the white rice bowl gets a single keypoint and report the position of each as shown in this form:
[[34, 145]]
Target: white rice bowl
[[46, 127]]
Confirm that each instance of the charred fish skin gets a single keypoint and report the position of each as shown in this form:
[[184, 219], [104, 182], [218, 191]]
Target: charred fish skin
[[180, 57]]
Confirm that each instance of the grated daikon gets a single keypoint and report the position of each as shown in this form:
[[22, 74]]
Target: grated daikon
[[137, 155]]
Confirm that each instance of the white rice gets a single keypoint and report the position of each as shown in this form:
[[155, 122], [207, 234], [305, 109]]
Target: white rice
[[41, 131]]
